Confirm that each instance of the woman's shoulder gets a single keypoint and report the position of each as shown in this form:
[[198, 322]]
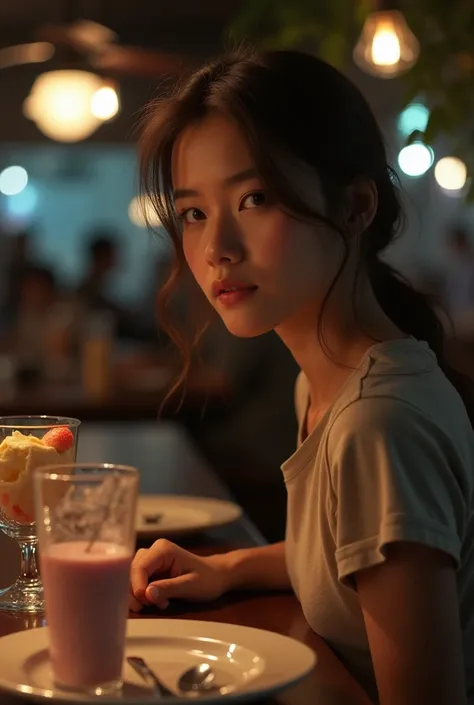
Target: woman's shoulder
[[407, 409], [403, 379]]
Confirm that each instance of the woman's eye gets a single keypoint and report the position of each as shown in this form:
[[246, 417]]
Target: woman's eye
[[192, 215], [253, 200]]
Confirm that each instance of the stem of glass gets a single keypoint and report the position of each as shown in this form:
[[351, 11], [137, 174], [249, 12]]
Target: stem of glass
[[29, 575]]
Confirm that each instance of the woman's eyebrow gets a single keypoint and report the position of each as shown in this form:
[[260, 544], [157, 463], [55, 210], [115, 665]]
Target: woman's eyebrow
[[228, 181]]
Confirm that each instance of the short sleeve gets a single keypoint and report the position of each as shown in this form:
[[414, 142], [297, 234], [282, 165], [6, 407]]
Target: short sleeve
[[396, 476]]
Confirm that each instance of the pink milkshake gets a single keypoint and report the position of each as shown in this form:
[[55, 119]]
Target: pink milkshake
[[86, 595]]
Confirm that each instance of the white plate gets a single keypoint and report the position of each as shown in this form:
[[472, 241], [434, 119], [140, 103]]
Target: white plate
[[178, 514], [255, 662]]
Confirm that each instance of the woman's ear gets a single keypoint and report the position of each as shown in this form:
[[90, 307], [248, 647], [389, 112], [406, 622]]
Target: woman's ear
[[361, 206]]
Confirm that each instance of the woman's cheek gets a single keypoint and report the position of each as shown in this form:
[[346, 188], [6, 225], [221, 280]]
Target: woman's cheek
[[272, 247]]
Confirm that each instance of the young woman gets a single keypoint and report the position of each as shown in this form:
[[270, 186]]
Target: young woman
[[269, 173]]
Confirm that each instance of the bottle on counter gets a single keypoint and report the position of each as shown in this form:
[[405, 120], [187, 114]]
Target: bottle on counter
[[97, 355]]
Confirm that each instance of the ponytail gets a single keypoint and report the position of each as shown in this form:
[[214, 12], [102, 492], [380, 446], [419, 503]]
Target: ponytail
[[414, 313]]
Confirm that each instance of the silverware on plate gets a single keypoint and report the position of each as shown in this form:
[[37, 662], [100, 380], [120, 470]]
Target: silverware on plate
[[142, 668], [198, 679]]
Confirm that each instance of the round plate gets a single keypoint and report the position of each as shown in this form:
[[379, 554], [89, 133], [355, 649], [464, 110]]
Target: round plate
[[248, 662], [175, 515]]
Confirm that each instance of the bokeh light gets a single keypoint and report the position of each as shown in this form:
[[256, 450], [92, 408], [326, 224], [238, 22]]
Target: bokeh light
[[415, 159], [142, 213], [386, 47], [414, 118], [60, 104], [105, 103], [451, 173], [23, 204], [13, 180]]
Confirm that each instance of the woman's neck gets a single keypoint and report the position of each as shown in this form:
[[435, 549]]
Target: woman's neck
[[329, 353]]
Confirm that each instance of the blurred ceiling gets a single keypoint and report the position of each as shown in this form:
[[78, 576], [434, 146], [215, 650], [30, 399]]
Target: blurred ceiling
[[163, 24], [191, 28]]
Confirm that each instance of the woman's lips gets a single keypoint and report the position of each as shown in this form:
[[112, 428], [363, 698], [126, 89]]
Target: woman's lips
[[235, 295]]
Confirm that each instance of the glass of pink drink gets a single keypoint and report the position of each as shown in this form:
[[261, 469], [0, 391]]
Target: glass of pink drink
[[86, 527]]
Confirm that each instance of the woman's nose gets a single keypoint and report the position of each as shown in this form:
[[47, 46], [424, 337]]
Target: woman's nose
[[224, 246]]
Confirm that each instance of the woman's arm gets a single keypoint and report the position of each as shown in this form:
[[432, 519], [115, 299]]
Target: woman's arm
[[260, 568], [166, 571], [411, 612]]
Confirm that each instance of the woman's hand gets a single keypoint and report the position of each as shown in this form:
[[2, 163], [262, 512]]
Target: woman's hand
[[165, 571]]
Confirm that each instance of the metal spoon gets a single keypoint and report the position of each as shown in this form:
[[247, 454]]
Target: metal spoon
[[197, 679]]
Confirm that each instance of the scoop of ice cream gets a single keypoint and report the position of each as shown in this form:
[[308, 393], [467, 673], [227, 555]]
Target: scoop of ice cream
[[20, 455]]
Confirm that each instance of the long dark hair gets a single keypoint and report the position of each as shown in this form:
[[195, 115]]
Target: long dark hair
[[296, 106]]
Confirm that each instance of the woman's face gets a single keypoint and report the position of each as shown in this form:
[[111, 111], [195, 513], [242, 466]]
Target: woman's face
[[259, 267]]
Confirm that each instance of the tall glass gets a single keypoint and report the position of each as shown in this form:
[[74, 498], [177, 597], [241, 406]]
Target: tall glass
[[26, 443], [86, 529]]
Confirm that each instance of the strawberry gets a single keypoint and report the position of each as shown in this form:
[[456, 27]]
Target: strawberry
[[22, 517], [60, 438]]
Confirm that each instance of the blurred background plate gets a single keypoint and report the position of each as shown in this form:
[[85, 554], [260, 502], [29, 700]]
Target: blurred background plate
[[175, 515]]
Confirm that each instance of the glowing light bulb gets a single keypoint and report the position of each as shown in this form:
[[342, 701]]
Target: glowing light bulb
[[105, 103], [451, 173], [60, 104], [415, 159], [387, 47]]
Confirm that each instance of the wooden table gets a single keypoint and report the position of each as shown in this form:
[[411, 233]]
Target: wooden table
[[170, 464]]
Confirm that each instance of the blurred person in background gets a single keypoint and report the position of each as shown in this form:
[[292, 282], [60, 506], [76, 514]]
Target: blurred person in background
[[37, 297], [18, 262], [102, 259], [92, 295]]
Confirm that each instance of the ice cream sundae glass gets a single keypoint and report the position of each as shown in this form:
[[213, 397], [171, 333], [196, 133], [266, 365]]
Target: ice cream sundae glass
[[27, 443]]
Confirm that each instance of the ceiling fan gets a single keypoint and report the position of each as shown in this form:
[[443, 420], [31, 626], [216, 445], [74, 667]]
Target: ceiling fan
[[95, 45]]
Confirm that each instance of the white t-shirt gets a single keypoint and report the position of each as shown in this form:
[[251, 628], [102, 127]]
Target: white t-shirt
[[391, 460]]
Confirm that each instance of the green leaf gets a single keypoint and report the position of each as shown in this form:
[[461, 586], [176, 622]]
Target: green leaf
[[332, 48], [363, 8], [250, 18]]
